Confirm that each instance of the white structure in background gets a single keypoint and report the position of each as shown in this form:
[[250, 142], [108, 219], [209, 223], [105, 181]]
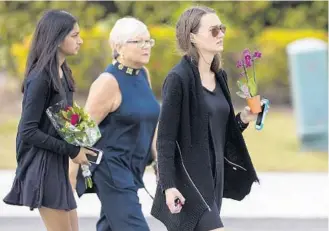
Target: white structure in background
[[308, 66]]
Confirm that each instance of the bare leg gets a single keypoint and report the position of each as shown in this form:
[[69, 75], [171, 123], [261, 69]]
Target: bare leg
[[74, 220], [56, 220]]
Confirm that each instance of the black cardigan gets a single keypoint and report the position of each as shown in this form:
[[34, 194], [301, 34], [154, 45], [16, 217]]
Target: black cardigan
[[182, 146], [35, 131]]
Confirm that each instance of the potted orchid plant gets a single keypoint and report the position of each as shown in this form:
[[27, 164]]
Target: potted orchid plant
[[247, 84]]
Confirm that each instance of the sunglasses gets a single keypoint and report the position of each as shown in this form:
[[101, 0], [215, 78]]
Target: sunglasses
[[216, 29]]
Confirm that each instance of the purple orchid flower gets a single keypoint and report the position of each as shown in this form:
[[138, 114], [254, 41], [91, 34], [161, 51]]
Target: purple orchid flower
[[257, 54], [249, 88], [239, 64], [247, 58]]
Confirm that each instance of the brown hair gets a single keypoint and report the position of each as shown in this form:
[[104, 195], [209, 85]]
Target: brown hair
[[189, 22]]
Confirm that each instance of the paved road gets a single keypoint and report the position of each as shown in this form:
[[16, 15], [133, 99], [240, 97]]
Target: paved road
[[88, 224]]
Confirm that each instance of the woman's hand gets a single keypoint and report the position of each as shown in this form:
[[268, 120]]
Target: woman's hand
[[172, 194], [247, 116], [81, 158]]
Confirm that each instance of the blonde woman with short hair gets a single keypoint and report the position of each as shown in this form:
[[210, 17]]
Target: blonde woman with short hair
[[122, 103]]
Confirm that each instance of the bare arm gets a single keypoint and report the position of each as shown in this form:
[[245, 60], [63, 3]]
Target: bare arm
[[104, 97], [154, 148]]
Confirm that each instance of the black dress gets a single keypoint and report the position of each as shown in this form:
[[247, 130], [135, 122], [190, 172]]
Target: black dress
[[41, 178], [218, 113]]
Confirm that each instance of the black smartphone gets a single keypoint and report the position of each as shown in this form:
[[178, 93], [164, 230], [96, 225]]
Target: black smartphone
[[261, 115], [95, 159], [178, 202]]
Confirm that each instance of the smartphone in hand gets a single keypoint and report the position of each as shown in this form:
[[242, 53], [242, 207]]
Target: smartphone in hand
[[261, 116], [95, 159]]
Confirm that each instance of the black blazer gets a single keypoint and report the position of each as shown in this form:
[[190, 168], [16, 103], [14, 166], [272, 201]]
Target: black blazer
[[35, 131], [182, 146]]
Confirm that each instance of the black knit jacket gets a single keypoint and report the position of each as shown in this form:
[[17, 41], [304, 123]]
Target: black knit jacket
[[183, 147]]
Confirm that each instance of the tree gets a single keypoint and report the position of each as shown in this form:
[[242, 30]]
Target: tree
[[18, 19]]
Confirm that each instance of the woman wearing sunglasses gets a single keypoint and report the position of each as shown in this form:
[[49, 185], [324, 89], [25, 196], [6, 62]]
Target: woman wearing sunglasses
[[121, 101], [202, 156]]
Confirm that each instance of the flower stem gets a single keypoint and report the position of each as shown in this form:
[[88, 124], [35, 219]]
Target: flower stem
[[245, 71], [88, 182], [253, 68]]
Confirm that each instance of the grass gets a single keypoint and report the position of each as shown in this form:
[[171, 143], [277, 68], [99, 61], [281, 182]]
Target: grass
[[275, 148], [7, 143]]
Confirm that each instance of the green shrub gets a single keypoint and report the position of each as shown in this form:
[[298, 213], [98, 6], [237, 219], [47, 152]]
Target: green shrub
[[271, 70]]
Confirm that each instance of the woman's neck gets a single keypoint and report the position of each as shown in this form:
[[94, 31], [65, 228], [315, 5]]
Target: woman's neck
[[128, 63], [204, 65], [61, 60]]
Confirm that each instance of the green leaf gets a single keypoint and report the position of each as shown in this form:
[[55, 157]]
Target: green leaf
[[241, 82], [65, 115], [252, 87], [241, 94]]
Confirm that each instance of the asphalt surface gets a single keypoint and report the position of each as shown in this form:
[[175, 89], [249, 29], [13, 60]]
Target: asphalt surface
[[239, 224]]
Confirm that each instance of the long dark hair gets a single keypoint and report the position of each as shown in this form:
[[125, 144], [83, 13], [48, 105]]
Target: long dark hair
[[50, 32], [189, 22]]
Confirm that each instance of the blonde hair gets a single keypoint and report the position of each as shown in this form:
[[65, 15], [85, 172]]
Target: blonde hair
[[124, 29]]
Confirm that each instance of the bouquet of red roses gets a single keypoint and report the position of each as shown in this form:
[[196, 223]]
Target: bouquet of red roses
[[76, 127]]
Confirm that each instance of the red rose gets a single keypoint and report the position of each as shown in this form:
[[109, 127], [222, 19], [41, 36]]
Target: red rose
[[68, 108], [74, 119]]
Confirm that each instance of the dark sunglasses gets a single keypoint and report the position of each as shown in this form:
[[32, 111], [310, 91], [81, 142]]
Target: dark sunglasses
[[216, 29]]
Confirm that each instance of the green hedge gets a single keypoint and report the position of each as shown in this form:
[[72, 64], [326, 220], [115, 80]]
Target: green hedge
[[272, 72]]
